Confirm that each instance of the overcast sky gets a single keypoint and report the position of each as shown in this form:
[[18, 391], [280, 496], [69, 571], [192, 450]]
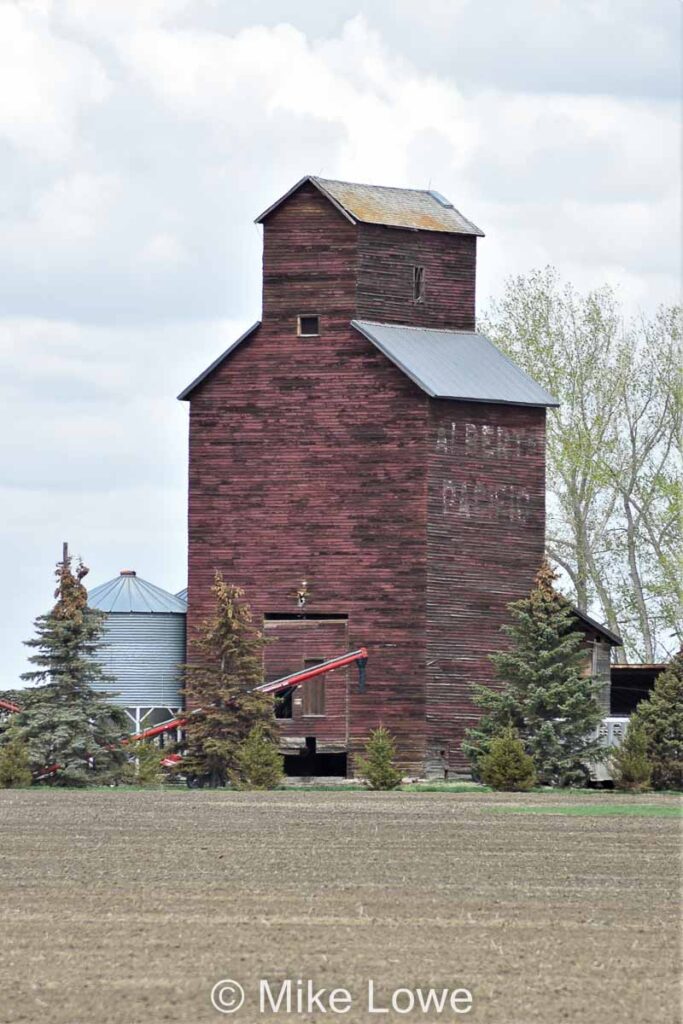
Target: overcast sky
[[139, 139]]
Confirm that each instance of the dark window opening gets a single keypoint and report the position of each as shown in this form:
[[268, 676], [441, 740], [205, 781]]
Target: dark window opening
[[308, 326], [283, 703], [418, 284], [630, 685], [313, 691]]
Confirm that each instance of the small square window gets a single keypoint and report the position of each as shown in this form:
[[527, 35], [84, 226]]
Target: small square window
[[308, 326], [418, 284]]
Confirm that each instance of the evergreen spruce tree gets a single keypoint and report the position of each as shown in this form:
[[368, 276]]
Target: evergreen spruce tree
[[65, 723], [631, 769], [545, 696], [661, 718], [259, 762], [230, 664], [378, 767], [15, 771], [507, 766]]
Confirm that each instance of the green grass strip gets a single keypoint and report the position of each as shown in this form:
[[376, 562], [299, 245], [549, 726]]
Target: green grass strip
[[600, 810]]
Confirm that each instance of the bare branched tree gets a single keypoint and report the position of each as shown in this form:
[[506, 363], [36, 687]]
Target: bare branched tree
[[614, 481]]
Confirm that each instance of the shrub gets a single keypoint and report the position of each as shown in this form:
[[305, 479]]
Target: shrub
[[507, 765], [631, 768], [145, 767], [14, 765], [661, 717], [260, 764], [378, 768]]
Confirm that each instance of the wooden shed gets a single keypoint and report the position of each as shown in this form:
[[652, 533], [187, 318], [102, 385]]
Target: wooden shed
[[364, 438]]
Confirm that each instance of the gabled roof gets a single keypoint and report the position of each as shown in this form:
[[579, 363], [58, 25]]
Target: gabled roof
[[129, 593], [455, 364], [446, 364], [418, 209], [186, 392], [613, 638]]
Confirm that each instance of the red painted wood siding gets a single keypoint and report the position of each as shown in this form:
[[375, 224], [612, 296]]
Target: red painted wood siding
[[309, 263], [485, 537], [308, 460], [386, 257], [317, 459]]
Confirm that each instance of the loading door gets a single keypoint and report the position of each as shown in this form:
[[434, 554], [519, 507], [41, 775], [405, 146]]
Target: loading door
[[315, 714]]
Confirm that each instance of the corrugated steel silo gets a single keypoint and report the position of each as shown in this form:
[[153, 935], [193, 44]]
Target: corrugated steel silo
[[145, 646]]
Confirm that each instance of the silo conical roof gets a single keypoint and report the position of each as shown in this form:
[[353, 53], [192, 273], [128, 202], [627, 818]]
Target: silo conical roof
[[127, 592]]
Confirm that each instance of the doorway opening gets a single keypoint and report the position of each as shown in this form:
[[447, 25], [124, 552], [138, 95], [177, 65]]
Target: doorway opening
[[308, 762]]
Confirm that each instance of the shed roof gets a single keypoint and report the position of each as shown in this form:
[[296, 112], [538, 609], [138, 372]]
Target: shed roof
[[417, 209], [455, 364], [613, 638], [128, 593]]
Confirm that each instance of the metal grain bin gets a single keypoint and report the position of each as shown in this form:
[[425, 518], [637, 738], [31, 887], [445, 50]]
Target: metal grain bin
[[145, 646]]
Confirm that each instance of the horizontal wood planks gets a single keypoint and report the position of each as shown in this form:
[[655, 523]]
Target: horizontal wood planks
[[316, 458], [307, 461], [386, 257], [485, 539]]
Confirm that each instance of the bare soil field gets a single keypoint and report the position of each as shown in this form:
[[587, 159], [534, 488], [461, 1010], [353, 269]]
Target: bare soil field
[[124, 907]]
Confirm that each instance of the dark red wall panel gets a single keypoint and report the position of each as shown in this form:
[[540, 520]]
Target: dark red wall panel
[[485, 537], [308, 461], [317, 459], [386, 257]]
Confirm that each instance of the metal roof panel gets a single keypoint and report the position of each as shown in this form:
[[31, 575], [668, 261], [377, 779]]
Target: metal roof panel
[[129, 593], [462, 365]]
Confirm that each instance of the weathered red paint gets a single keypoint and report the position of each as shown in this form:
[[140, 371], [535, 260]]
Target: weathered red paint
[[317, 459]]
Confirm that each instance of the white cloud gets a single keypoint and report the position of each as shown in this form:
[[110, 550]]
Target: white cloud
[[140, 138], [45, 82], [162, 251]]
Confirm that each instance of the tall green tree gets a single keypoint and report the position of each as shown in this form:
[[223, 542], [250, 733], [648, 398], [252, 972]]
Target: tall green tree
[[229, 652], [660, 718], [66, 724], [545, 696], [614, 472]]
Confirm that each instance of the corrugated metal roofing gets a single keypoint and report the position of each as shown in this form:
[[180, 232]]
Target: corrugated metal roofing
[[455, 364], [418, 209], [182, 594], [129, 593]]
